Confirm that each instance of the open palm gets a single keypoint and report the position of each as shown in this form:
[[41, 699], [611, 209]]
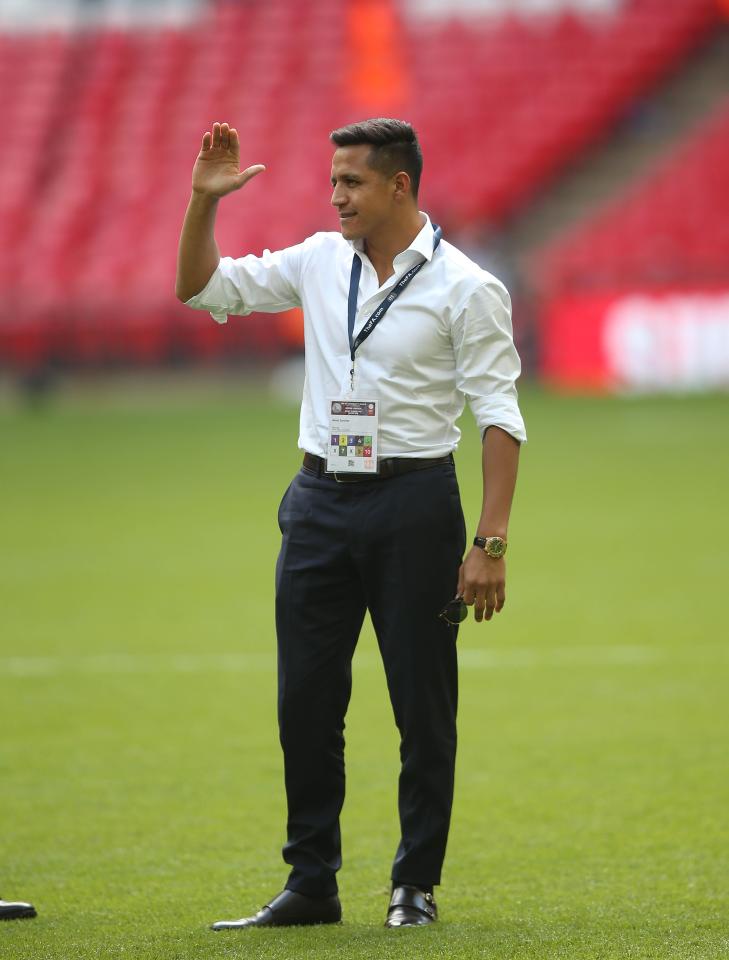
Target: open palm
[[217, 168]]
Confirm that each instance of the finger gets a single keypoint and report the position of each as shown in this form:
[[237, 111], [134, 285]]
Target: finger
[[224, 136], [234, 139], [500, 597], [478, 609], [469, 595], [490, 603], [216, 134], [248, 174], [206, 140]]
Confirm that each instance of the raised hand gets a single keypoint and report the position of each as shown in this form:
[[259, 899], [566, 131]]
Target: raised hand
[[217, 168]]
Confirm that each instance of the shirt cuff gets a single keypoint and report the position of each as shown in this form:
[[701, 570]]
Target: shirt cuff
[[219, 316], [500, 412], [199, 302], [213, 295]]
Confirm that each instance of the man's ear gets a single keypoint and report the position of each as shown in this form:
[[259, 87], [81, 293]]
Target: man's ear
[[402, 184]]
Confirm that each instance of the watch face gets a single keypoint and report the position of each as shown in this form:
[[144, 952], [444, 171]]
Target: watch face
[[495, 547]]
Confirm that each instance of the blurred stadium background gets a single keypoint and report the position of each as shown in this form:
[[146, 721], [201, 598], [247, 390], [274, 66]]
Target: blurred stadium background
[[577, 148]]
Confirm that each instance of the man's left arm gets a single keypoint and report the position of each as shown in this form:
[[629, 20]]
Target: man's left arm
[[482, 578], [488, 367]]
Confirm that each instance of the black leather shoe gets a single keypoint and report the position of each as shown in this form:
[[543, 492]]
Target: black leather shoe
[[289, 909], [16, 910], [411, 907]]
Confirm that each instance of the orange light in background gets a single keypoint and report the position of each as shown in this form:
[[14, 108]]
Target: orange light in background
[[723, 6], [291, 327], [378, 78]]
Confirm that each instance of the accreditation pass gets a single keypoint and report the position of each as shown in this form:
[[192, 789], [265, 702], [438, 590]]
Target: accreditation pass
[[352, 436]]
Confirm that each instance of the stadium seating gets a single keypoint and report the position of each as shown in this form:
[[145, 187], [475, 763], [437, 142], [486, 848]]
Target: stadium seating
[[636, 298], [669, 228], [102, 128], [537, 97]]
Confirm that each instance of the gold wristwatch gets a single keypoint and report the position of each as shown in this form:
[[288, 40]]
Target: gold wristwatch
[[494, 547]]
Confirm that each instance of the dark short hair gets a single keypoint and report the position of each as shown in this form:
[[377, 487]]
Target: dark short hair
[[394, 145]]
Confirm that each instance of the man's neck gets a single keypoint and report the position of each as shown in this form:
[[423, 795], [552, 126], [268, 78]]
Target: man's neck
[[383, 248]]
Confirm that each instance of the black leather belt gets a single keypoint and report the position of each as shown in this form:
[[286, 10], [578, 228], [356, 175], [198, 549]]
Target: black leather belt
[[389, 467]]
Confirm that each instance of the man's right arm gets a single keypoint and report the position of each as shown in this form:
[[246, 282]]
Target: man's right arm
[[215, 174]]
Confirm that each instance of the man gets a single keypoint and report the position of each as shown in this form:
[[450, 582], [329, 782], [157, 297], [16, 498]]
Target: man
[[16, 910], [400, 328]]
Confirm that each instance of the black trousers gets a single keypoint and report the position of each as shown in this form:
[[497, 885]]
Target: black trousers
[[394, 547]]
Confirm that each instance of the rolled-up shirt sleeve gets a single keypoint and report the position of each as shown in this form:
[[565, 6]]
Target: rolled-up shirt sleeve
[[269, 284], [487, 364]]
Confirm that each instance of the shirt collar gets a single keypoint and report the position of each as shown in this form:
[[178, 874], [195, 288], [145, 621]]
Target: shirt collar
[[422, 244]]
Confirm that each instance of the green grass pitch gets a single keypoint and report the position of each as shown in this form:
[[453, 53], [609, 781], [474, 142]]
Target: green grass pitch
[[139, 766]]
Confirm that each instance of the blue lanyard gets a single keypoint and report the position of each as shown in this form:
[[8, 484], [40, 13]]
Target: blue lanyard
[[384, 305]]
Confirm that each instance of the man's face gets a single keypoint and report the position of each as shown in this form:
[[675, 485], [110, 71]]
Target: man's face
[[363, 197]]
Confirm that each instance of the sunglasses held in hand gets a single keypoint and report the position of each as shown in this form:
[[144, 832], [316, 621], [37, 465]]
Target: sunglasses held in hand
[[454, 612]]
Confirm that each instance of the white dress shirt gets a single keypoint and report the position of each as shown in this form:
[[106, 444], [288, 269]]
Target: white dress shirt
[[445, 340]]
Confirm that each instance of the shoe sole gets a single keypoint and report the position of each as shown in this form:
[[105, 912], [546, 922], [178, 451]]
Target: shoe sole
[[271, 926]]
